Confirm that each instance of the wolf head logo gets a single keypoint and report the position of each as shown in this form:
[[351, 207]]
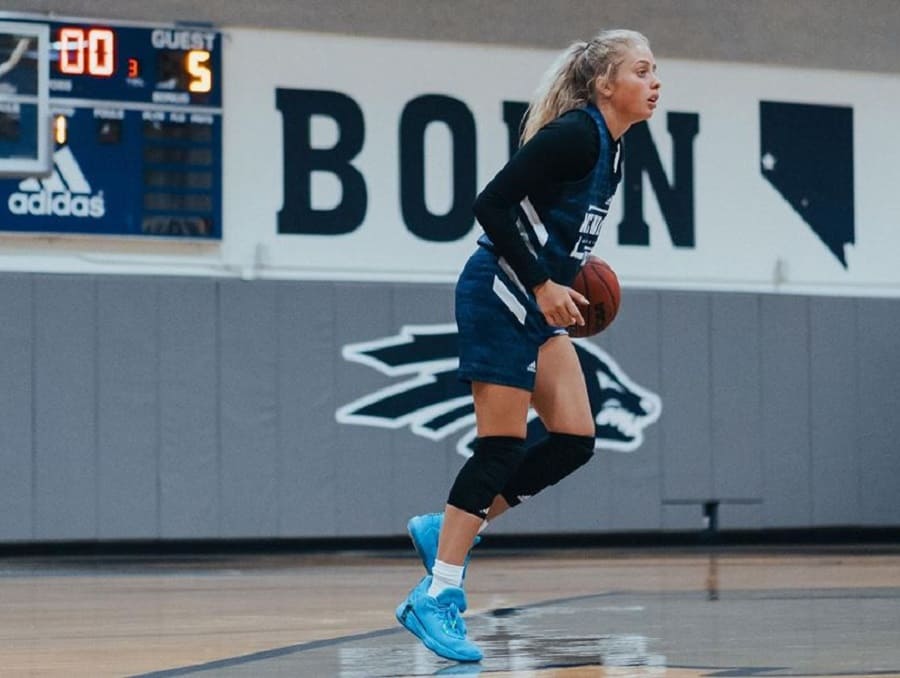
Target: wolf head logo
[[434, 403]]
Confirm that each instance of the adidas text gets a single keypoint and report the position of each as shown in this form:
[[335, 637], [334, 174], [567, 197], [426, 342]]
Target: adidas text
[[64, 204]]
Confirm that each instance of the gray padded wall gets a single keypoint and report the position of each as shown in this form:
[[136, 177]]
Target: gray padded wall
[[635, 476], [833, 431], [162, 408], [310, 477], [16, 412], [65, 497], [127, 408], [785, 408], [877, 421], [188, 408]]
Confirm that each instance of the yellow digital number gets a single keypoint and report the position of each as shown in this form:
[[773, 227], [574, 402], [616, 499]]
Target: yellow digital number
[[60, 129], [198, 68]]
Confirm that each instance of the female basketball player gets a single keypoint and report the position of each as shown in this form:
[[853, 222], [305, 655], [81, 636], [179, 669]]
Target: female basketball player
[[541, 216]]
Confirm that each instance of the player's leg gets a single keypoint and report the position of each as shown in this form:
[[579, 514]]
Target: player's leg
[[432, 609], [561, 401], [501, 415], [500, 332]]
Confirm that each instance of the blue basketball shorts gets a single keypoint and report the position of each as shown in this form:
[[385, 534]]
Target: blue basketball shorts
[[500, 325]]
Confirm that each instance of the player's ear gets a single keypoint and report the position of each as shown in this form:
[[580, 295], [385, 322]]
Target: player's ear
[[603, 89]]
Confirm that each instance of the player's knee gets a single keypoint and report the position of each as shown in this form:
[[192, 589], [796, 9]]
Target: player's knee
[[574, 451], [548, 462], [486, 473]]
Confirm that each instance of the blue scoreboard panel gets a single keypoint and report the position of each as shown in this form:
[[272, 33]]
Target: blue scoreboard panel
[[133, 124]]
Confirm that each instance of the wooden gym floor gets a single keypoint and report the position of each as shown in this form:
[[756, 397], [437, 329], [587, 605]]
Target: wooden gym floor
[[678, 613]]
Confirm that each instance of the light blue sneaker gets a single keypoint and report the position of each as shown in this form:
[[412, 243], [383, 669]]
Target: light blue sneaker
[[424, 531], [437, 622]]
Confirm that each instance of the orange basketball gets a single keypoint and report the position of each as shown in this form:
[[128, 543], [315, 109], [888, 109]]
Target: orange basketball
[[598, 282]]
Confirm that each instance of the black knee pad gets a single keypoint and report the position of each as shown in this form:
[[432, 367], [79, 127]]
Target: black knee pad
[[485, 473], [546, 463]]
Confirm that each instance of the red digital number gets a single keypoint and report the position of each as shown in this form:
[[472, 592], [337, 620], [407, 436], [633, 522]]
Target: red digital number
[[71, 51], [91, 52]]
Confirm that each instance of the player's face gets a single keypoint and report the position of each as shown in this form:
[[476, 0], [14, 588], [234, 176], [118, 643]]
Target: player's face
[[635, 91]]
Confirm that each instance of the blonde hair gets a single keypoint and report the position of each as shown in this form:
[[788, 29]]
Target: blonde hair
[[573, 78]]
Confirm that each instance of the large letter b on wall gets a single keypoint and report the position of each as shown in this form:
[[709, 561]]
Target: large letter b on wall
[[301, 160]]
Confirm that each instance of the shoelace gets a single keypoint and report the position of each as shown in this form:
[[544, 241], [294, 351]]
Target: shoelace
[[453, 622]]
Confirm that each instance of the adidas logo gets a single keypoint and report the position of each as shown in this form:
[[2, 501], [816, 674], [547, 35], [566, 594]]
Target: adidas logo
[[65, 193], [532, 366]]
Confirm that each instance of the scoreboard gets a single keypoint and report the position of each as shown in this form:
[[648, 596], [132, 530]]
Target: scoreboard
[[110, 128]]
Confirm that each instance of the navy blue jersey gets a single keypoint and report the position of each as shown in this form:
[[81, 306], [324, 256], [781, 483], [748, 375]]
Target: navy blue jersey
[[560, 221]]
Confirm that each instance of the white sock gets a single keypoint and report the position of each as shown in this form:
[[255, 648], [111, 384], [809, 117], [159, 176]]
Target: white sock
[[444, 576]]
